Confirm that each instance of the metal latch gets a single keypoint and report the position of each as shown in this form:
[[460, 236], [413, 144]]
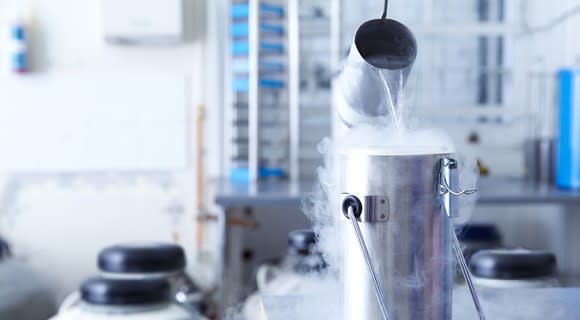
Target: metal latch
[[448, 186]]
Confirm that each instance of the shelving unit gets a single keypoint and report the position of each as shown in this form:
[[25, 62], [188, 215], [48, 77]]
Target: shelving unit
[[276, 86], [260, 91], [316, 73]]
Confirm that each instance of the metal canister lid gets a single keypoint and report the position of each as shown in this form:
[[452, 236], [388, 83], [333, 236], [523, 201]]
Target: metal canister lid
[[512, 264], [151, 258], [124, 292]]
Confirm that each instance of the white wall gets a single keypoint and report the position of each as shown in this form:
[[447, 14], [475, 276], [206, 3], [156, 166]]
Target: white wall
[[58, 220]]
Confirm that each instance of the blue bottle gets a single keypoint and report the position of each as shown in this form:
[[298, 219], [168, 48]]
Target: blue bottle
[[568, 154], [18, 53]]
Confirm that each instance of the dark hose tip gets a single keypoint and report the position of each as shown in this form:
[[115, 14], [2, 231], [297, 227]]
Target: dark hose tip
[[354, 203]]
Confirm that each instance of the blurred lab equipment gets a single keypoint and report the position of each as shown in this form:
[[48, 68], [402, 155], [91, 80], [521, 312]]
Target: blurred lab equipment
[[262, 90], [299, 276], [152, 261], [520, 303], [475, 237], [18, 46], [22, 294], [540, 145], [301, 259], [513, 268], [540, 160], [568, 165], [148, 262], [104, 298]]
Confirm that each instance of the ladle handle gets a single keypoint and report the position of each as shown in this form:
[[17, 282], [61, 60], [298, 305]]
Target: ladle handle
[[385, 7], [371, 269], [465, 271]]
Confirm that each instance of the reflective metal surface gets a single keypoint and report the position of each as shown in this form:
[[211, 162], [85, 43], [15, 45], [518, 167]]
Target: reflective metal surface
[[411, 251], [467, 275], [372, 273]]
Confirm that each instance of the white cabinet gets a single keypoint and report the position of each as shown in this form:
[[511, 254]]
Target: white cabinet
[[143, 21]]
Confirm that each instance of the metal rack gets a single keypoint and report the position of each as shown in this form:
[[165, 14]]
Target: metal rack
[[316, 73], [261, 98], [307, 68]]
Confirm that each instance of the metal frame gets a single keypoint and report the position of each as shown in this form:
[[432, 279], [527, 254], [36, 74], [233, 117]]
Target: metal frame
[[294, 87], [227, 110], [292, 79], [254, 91]]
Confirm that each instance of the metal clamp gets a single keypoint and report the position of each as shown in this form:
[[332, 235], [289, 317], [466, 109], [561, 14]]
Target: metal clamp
[[448, 186], [372, 208], [449, 190]]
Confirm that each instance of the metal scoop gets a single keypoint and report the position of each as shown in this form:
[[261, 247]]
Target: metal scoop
[[382, 49]]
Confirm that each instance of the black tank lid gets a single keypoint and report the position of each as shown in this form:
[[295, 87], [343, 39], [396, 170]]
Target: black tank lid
[[512, 264], [123, 292], [478, 233], [152, 258], [301, 241]]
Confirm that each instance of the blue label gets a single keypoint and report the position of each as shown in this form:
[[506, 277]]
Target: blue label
[[19, 61], [18, 32]]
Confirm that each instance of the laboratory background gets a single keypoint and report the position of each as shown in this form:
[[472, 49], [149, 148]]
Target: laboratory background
[[289, 159]]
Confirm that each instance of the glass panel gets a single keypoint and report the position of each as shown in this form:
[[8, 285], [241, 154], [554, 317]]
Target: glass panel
[[459, 71], [468, 11], [315, 82]]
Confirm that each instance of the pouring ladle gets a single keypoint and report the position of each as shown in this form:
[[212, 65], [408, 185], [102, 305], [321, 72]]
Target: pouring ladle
[[380, 45]]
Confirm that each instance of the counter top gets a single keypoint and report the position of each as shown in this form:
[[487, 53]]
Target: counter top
[[516, 304], [492, 190]]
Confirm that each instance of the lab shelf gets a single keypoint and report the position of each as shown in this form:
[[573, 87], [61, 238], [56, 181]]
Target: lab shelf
[[242, 48], [242, 10], [243, 29], [492, 191]]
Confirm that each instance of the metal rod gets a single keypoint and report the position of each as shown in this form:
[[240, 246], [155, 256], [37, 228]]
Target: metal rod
[[294, 86], [253, 91], [371, 269], [385, 7], [466, 274]]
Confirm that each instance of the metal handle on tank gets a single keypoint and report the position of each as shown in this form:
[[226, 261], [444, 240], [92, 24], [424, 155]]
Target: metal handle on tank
[[351, 203], [447, 183], [448, 186], [466, 273]]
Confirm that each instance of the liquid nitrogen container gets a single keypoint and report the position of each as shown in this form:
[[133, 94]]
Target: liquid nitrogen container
[[401, 203], [129, 299]]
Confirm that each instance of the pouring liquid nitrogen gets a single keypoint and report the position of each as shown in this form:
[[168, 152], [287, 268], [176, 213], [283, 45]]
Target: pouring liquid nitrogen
[[398, 232]]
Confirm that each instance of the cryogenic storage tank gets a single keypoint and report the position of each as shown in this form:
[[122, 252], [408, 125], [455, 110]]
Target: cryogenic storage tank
[[398, 204], [128, 299]]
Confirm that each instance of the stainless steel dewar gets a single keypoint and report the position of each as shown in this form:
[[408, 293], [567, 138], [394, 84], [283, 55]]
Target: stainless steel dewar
[[405, 202]]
